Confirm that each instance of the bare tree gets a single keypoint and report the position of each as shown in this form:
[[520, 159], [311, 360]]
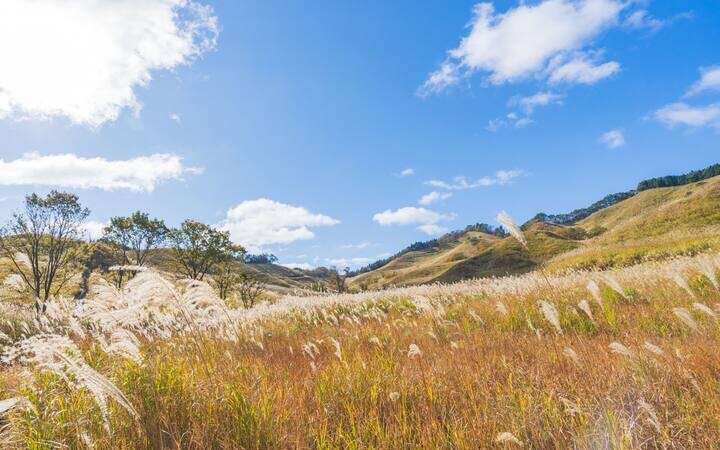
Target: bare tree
[[337, 281], [43, 241]]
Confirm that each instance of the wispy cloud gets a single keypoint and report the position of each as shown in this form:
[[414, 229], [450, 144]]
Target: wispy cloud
[[693, 116], [143, 173], [677, 114], [542, 98], [434, 197], [613, 139], [527, 106], [358, 246], [641, 19], [461, 183], [261, 222], [427, 220], [709, 81], [350, 262], [582, 69], [84, 61], [407, 172]]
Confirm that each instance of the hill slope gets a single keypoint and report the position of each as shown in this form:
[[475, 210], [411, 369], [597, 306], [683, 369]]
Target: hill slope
[[278, 279], [651, 224], [654, 224]]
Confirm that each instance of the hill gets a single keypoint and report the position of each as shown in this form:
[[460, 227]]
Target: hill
[[648, 223], [654, 224], [278, 279]]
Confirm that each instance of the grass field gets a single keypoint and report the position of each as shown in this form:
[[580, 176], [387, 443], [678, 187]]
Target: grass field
[[618, 359]]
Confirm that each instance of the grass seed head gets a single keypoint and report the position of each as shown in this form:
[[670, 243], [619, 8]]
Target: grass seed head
[[510, 225], [414, 351], [508, 438]]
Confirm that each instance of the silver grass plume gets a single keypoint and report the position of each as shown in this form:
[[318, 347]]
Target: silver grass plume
[[551, 315], [652, 417], [707, 267], [705, 309], [585, 307], [508, 438], [60, 355], [125, 344], [620, 349], [649, 346], [614, 285], [685, 316], [510, 225], [570, 353], [414, 351], [336, 344], [500, 307], [594, 290], [571, 408], [680, 281]]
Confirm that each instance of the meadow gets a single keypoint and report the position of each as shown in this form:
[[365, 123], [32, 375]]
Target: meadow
[[624, 358]]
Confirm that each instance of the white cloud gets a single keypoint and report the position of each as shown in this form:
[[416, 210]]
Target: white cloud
[[175, 117], [407, 216], [446, 75], [303, 266], [350, 262], [84, 60], [501, 177], [68, 170], [692, 116], [641, 19], [582, 70], [523, 122], [521, 42], [495, 124], [407, 172], [613, 139], [358, 246], [709, 81], [433, 229], [434, 197], [256, 223], [410, 215], [92, 229], [529, 103]]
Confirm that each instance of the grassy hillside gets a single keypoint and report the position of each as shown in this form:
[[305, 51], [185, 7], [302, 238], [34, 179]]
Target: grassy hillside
[[508, 257], [474, 254], [653, 224], [426, 265]]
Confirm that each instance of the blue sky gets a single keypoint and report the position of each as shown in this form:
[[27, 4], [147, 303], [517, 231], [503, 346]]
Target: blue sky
[[290, 124]]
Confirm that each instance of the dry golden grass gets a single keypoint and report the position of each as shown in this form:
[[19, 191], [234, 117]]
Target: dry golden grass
[[473, 365]]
